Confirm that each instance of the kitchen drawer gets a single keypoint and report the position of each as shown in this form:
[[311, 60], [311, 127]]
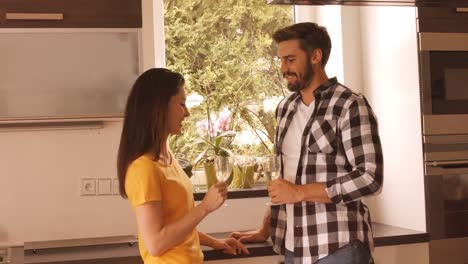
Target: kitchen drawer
[[449, 20], [70, 14]]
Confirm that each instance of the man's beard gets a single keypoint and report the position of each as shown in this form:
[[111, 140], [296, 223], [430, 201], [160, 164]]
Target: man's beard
[[302, 83]]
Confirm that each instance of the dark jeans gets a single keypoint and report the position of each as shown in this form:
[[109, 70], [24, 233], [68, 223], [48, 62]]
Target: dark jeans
[[353, 253]]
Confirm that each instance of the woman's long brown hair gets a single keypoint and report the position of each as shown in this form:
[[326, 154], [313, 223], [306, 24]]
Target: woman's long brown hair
[[145, 121]]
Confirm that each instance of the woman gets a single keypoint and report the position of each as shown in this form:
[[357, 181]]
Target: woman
[[150, 177]]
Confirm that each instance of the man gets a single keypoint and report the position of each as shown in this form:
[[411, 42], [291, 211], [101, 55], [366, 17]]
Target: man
[[327, 137]]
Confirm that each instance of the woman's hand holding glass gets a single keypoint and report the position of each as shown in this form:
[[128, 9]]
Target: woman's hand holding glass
[[215, 197]]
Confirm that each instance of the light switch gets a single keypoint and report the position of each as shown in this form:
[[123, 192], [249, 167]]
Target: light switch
[[104, 186], [115, 187]]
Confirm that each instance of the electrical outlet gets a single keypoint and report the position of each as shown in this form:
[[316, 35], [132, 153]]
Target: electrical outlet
[[115, 186], [88, 186], [105, 186]]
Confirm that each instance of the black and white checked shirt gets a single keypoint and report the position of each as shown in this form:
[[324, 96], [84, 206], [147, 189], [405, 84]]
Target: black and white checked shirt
[[340, 146]]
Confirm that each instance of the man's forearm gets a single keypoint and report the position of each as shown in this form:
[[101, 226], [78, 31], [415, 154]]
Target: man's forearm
[[312, 192], [266, 222]]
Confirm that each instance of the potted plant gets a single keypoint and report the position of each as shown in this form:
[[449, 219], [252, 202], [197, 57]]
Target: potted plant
[[217, 142]]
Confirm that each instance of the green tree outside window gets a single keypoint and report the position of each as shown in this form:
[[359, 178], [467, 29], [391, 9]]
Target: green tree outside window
[[225, 51]]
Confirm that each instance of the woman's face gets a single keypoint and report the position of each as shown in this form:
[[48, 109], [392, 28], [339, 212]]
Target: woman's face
[[177, 112]]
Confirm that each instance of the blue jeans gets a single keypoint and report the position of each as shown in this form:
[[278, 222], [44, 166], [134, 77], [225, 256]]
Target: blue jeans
[[353, 253]]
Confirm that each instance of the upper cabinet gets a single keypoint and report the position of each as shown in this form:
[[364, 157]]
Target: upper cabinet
[[70, 14], [443, 20], [68, 59]]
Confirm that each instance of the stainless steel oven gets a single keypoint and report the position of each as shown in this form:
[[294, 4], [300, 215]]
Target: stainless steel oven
[[444, 82], [446, 185], [443, 55]]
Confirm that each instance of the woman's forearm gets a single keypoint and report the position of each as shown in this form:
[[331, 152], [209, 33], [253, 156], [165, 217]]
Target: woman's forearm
[[175, 233], [159, 236], [207, 240]]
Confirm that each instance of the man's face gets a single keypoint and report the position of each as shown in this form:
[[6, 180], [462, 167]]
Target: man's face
[[295, 65]]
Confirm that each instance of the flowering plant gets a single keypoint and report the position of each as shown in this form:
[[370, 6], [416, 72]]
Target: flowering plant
[[247, 128], [218, 138]]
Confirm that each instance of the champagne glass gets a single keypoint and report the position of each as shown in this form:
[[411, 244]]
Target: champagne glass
[[271, 169], [223, 167]]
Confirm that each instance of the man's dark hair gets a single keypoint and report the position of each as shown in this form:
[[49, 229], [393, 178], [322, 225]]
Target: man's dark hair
[[310, 35]]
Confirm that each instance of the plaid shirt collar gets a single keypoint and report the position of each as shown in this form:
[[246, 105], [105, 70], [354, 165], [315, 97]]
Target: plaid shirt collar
[[324, 86], [295, 99]]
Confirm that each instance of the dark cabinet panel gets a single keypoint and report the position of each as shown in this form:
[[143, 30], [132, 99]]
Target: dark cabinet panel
[[439, 19], [70, 14]]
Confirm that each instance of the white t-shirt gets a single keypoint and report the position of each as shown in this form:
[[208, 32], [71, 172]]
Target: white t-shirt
[[291, 149]]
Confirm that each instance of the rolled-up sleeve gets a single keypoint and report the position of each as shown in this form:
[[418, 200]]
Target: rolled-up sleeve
[[361, 143]]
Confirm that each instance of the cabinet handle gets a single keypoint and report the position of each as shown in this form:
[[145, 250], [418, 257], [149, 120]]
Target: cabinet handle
[[461, 10], [34, 16], [448, 163]]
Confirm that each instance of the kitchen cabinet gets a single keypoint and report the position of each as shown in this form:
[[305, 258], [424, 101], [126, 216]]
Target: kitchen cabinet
[[90, 51], [444, 20], [68, 73], [70, 14]]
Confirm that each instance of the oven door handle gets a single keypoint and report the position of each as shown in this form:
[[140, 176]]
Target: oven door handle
[[455, 163]]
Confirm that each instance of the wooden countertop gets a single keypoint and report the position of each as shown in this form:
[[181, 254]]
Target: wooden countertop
[[384, 235]]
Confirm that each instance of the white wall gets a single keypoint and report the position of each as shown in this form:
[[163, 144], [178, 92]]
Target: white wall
[[352, 53], [40, 179], [160, 46], [391, 83], [330, 17], [149, 25], [153, 35]]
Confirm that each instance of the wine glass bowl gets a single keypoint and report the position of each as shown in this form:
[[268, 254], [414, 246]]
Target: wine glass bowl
[[223, 167], [271, 166]]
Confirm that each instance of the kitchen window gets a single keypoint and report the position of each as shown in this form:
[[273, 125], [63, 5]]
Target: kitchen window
[[224, 50]]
